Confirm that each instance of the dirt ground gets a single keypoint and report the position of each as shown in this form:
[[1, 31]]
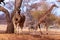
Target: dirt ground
[[53, 34], [28, 37]]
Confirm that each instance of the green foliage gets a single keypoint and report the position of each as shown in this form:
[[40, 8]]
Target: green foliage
[[57, 20], [37, 14], [52, 17]]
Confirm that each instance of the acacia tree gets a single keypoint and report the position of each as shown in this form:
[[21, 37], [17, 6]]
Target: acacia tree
[[58, 0], [10, 26]]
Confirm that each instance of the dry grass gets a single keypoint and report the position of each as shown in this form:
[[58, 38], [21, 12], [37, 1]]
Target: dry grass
[[53, 34], [16, 37], [28, 37], [3, 27]]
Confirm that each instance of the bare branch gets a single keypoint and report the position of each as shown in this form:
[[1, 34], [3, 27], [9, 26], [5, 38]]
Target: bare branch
[[18, 3], [6, 12], [17, 7]]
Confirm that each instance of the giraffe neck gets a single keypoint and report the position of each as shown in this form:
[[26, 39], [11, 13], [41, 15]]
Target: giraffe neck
[[46, 14]]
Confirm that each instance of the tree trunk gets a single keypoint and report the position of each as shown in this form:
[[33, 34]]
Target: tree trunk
[[10, 27]]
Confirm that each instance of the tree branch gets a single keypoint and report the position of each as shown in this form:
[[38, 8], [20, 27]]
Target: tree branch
[[6, 12], [17, 7], [18, 3]]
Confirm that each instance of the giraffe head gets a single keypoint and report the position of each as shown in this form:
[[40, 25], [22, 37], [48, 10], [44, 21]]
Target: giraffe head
[[55, 5], [17, 16]]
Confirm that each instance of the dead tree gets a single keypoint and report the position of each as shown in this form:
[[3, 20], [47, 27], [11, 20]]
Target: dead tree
[[18, 19], [10, 26]]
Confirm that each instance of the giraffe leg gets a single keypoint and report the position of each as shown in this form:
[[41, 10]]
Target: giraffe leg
[[18, 30], [15, 29], [47, 30], [40, 29], [28, 29]]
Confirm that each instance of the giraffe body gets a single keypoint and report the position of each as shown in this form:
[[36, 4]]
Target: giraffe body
[[18, 21]]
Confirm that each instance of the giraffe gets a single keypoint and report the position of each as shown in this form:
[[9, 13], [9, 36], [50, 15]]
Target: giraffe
[[18, 21], [44, 16]]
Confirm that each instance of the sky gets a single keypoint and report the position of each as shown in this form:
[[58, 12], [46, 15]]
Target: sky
[[8, 0], [56, 10]]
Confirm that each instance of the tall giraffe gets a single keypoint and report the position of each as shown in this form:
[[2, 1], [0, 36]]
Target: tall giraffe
[[44, 16], [18, 21]]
